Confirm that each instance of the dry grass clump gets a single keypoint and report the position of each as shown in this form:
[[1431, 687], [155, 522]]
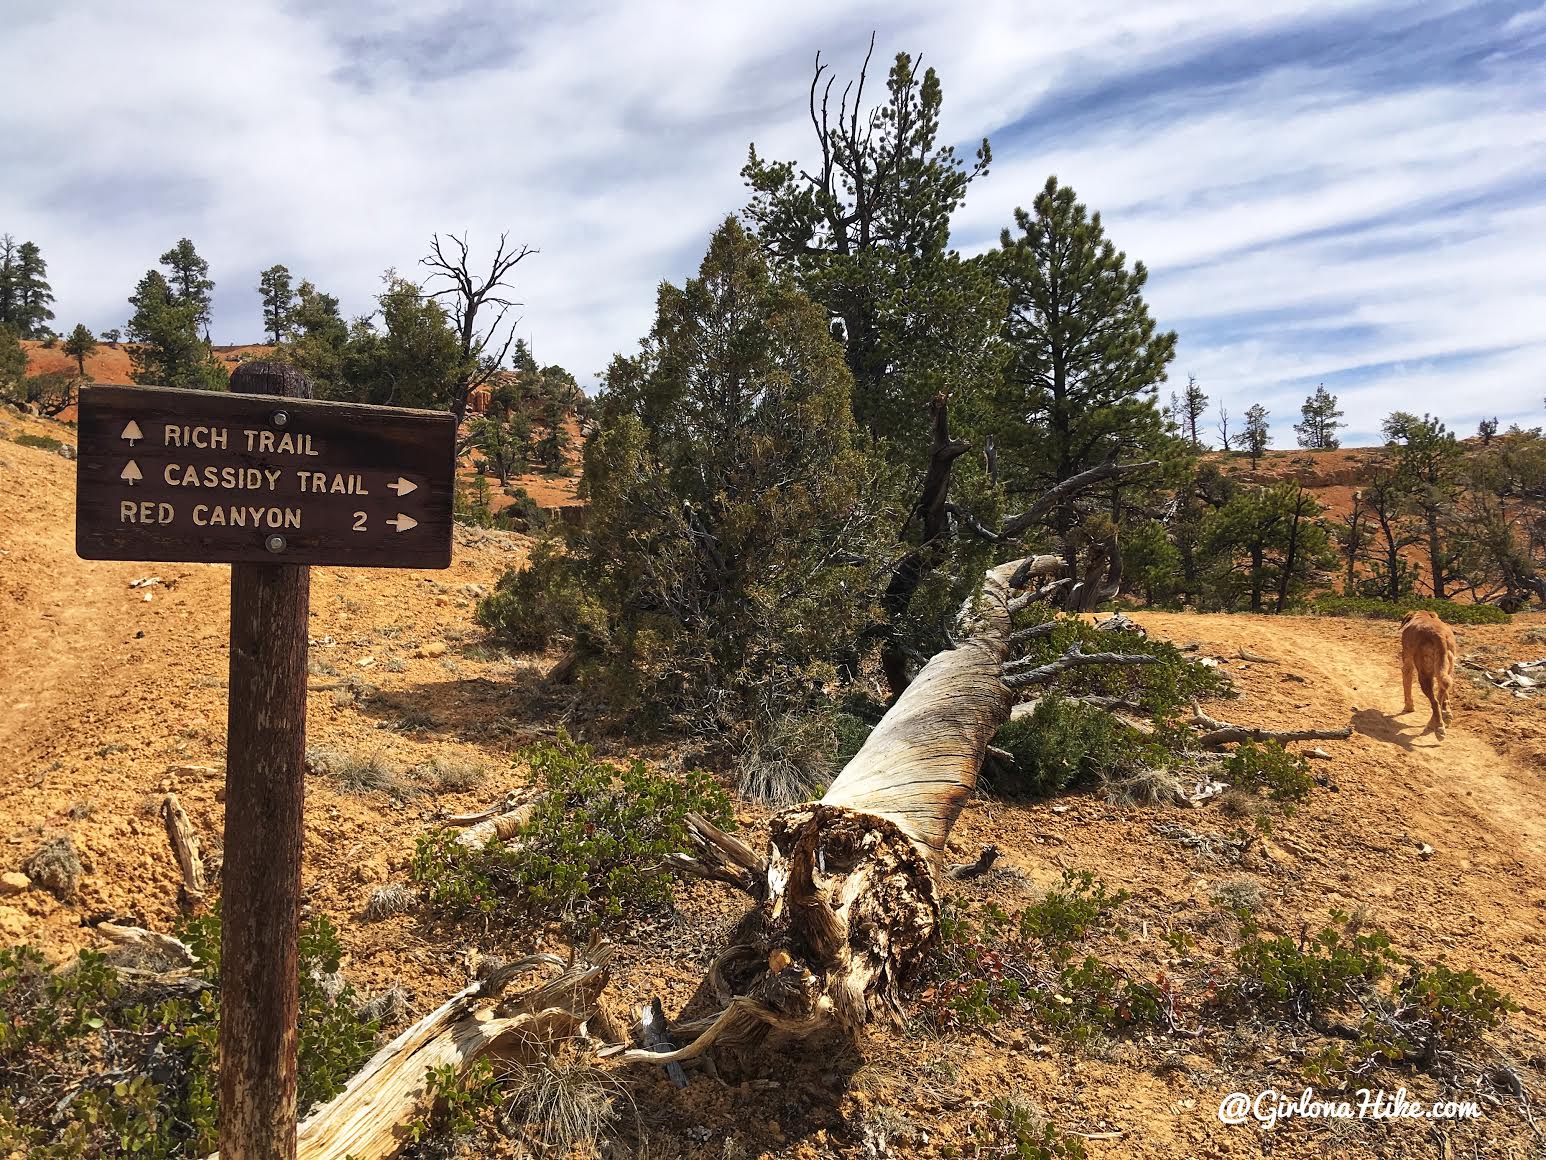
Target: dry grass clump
[[355, 771], [386, 901], [451, 774], [787, 759], [562, 1103], [56, 867], [388, 1009], [1240, 892]]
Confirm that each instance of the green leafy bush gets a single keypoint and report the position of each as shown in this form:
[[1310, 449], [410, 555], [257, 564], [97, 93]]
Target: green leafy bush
[[1017, 1131], [990, 964], [1449, 611], [589, 854], [94, 1064], [1422, 1018], [1064, 743], [1161, 689], [1269, 766], [545, 600], [41, 442]]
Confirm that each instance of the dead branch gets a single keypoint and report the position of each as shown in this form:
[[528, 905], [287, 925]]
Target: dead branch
[[1074, 658], [185, 848], [501, 826], [1109, 469], [977, 869], [364, 1120], [174, 949], [1221, 733], [1246, 655], [720, 857]]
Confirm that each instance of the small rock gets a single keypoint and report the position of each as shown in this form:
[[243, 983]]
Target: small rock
[[435, 648], [66, 451], [1425, 851], [12, 882], [365, 662]]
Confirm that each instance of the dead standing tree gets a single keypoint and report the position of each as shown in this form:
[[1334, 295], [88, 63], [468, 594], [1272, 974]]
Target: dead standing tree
[[471, 294]]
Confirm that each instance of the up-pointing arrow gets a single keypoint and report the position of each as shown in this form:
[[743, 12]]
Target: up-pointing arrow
[[131, 474], [132, 433], [402, 523], [403, 486]]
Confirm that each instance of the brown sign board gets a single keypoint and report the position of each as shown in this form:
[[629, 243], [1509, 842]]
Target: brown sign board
[[214, 477]]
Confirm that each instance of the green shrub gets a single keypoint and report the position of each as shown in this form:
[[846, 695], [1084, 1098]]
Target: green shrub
[[533, 605], [1017, 1131], [1161, 689], [990, 964], [94, 1064], [525, 514], [1449, 611], [1271, 767], [1422, 1018], [42, 442], [1065, 743], [590, 853]]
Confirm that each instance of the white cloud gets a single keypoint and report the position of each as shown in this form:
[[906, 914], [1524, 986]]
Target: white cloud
[[1307, 211]]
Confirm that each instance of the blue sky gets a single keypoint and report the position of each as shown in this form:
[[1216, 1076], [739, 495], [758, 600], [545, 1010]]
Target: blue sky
[[1344, 192]]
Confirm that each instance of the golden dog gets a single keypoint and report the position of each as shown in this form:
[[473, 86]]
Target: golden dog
[[1428, 651]]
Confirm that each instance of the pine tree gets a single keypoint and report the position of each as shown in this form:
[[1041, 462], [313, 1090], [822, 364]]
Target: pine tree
[[866, 233], [1257, 433], [26, 294], [1320, 418], [79, 345], [8, 283], [279, 300], [188, 276], [1267, 540], [13, 365], [1428, 469], [1190, 407], [709, 582], [1086, 358], [168, 350]]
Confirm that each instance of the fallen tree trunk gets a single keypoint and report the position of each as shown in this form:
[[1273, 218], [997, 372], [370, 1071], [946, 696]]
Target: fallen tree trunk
[[367, 1120], [850, 885]]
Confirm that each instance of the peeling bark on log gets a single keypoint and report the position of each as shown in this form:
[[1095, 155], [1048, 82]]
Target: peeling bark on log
[[365, 1121], [185, 848]]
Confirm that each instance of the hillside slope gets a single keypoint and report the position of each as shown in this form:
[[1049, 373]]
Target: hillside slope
[[114, 696]]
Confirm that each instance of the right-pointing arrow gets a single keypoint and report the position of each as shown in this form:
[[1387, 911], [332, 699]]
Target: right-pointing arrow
[[402, 523], [131, 474], [403, 486]]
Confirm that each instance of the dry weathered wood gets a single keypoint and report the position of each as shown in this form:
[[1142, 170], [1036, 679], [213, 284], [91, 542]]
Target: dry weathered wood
[[1109, 469], [656, 1032], [1221, 733], [1074, 658], [185, 848], [173, 949], [1247, 655], [852, 899], [502, 826], [721, 857], [366, 1120], [261, 876]]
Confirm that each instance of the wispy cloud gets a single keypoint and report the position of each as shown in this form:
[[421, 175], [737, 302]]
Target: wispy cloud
[[1346, 192]]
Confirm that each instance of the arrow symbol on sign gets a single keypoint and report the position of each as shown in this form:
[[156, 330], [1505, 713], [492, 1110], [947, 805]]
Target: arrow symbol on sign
[[402, 523], [131, 474], [132, 433], [403, 486]]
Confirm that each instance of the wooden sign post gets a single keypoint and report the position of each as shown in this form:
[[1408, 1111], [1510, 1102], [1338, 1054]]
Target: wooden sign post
[[270, 482]]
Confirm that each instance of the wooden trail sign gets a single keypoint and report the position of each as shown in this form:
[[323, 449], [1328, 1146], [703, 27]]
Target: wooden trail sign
[[270, 481], [210, 477]]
